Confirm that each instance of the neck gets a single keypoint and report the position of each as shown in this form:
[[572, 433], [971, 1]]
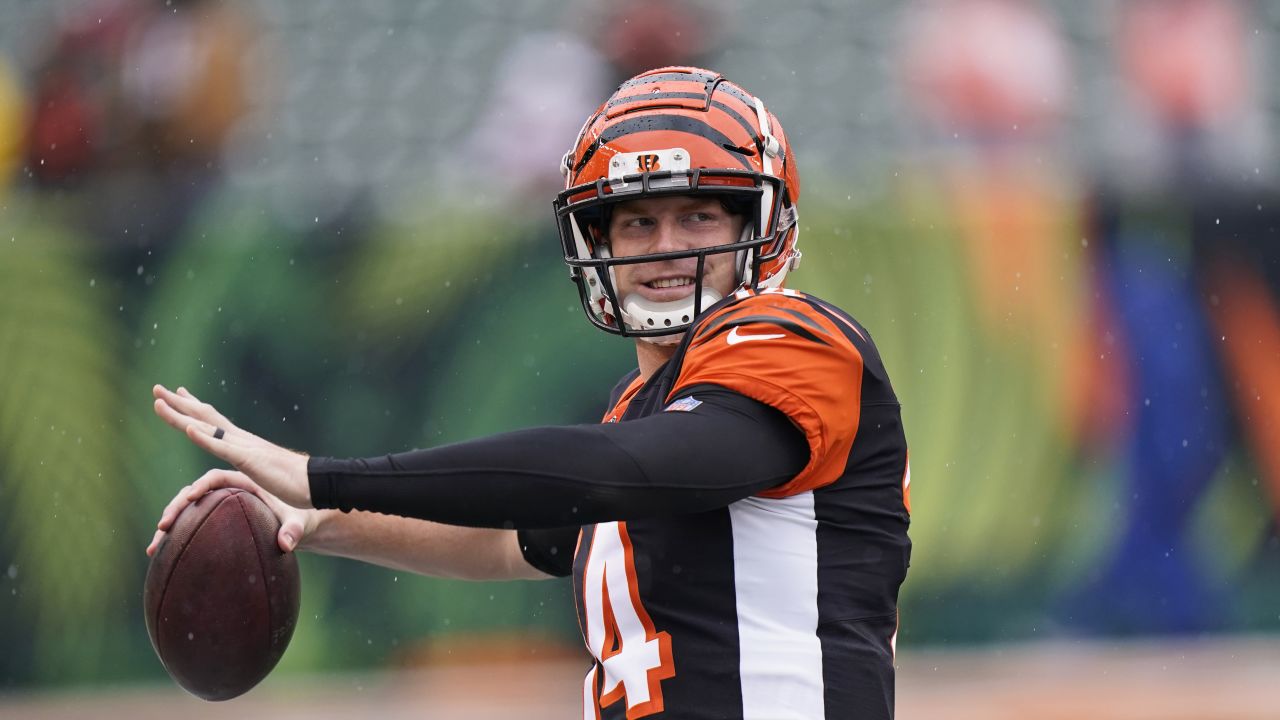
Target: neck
[[650, 357]]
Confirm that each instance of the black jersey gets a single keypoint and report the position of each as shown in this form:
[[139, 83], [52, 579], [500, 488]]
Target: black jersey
[[783, 604]]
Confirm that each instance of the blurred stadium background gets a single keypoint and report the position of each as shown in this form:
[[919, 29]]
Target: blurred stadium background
[[333, 220]]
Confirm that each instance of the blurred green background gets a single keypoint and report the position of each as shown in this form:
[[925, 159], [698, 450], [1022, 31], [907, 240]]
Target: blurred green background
[[332, 220]]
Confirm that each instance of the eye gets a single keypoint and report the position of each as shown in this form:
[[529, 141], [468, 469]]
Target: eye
[[702, 217], [632, 226]]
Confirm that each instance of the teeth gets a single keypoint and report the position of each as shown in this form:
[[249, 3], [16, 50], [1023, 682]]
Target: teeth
[[671, 282]]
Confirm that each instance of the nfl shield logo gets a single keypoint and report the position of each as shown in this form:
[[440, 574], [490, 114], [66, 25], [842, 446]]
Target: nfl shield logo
[[684, 404]]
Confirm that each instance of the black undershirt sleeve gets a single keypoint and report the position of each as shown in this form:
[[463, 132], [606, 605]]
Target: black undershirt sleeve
[[550, 549], [727, 448]]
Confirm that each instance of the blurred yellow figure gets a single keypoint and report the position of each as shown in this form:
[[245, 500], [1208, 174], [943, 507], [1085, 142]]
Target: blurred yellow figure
[[12, 122]]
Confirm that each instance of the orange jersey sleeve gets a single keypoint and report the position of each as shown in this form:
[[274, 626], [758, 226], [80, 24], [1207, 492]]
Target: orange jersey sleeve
[[777, 347]]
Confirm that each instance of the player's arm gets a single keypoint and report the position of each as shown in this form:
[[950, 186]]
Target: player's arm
[[724, 448], [420, 546], [541, 480]]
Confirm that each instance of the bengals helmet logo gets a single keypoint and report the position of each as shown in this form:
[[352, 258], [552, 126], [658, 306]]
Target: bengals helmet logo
[[647, 163]]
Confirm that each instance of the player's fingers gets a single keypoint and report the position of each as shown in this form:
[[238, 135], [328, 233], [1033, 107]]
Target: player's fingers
[[174, 507], [189, 405], [211, 480], [220, 445], [204, 406], [217, 478], [178, 414], [171, 417], [226, 432], [155, 542]]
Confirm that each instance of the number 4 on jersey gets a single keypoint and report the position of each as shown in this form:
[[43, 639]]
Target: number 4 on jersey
[[635, 658]]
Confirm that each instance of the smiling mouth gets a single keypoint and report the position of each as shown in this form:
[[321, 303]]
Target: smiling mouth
[[664, 283]]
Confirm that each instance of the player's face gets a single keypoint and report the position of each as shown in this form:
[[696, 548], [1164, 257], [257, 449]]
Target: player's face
[[669, 224]]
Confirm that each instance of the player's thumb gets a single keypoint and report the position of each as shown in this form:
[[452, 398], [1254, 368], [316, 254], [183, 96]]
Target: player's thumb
[[290, 533]]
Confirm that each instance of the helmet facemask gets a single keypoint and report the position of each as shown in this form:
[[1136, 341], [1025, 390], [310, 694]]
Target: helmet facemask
[[583, 213]]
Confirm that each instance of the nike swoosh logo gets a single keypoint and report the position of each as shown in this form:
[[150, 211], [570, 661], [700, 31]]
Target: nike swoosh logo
[[734, 338]]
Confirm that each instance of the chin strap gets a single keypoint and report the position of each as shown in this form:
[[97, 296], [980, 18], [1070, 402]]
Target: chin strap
[[640, 313]]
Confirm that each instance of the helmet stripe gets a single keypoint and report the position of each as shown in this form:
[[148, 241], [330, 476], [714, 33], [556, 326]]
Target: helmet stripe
[[702, 77], [649, 123], [713, 83], [739, 119], [642, 97], [733, 114]]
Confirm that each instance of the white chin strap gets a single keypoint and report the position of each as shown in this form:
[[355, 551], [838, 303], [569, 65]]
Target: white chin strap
[[640, 313]]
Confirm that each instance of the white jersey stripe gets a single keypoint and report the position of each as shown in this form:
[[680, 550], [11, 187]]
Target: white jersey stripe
[[775, 554]]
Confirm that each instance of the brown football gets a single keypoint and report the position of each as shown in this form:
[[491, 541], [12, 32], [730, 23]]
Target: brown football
[[221, 598]]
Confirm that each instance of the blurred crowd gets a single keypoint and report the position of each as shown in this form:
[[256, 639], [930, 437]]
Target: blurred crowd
[[1166, 332], [1134, 269]]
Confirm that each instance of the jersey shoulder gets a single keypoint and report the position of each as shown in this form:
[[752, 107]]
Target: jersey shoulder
[[783, 307], [795, 353], [802, 318]]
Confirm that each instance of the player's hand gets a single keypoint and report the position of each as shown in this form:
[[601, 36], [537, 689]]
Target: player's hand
[[295, 524], [279, 471]]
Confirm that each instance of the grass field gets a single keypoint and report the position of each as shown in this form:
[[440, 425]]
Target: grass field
[[1215, 679]]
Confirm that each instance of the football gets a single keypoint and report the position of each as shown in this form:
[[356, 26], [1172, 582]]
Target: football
[[221, 598]]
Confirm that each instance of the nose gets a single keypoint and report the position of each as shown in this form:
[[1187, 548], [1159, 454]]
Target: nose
[[667, 236]]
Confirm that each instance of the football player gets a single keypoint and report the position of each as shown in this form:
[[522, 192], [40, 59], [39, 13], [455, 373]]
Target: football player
[[736, 528]]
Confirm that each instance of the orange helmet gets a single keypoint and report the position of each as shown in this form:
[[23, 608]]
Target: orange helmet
[[677, 131]]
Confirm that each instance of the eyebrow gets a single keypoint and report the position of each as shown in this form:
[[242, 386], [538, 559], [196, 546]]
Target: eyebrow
[[698, 204]]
